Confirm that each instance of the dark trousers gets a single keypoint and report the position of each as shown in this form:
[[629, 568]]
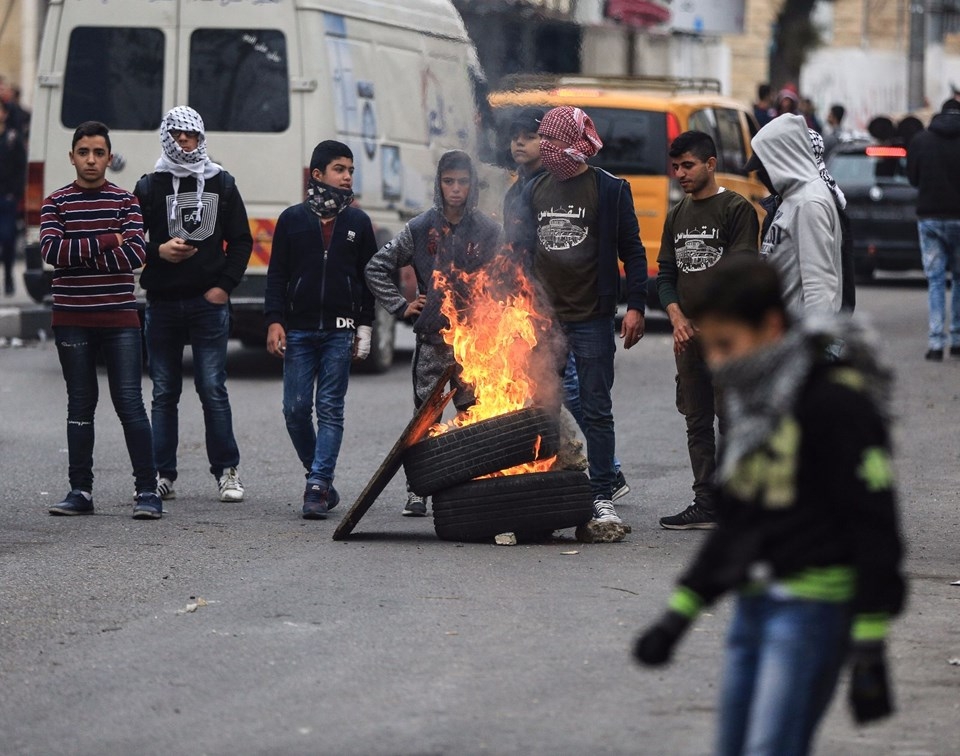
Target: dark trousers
[[699, 403], [120, 347], [8, 239]]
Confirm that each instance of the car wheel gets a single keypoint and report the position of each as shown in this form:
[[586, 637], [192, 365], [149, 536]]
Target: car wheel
[[486, 447], [527, 505]]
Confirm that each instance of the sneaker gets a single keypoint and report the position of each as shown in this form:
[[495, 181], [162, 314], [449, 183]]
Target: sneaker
[[416, 506], [934, 355], [231, 489], [620, 488], [148, 506], [165, 489], [603, 511], [74, 503], [318, 499], [694, 517]]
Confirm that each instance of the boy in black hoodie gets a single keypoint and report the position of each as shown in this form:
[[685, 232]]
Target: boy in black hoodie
[[320, 314], [198, 247], [808, 530], [452, 236]]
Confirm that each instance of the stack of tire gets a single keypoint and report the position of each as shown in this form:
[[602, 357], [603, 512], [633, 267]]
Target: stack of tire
[[530, 505]]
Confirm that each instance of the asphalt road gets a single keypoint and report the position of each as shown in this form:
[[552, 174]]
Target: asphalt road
[[395, 642]]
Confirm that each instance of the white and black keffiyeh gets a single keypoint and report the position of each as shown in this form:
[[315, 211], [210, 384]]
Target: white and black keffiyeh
[[182, 164], [816, 141]]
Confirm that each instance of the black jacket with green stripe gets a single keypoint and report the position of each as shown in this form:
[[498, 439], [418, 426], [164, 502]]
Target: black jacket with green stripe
[[814, 510]]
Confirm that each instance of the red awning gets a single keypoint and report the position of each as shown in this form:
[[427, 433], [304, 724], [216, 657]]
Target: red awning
[[637, 12]]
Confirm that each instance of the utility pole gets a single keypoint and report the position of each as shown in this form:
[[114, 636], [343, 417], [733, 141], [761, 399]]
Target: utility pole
[[916, 95]]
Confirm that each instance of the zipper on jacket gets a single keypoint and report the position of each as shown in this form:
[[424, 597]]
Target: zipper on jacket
[[323, 270]]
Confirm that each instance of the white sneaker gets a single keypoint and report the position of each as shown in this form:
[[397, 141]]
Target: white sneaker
[[231, 489], [165, 489], [603, 511]]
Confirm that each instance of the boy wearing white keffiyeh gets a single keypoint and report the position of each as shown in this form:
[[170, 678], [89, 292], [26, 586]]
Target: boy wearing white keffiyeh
[[198, 247]]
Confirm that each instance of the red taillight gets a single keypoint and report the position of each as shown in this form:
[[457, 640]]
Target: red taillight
[[33, 200], [887, 152]]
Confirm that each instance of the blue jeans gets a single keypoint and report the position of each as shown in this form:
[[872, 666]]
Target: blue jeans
[[940, 247], [78, 348], [571, 397], [783, 660], [593, 346], [8, 238], [170, 325], [316, 371]]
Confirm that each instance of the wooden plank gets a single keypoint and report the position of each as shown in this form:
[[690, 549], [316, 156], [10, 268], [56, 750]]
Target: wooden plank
[[428, 414]]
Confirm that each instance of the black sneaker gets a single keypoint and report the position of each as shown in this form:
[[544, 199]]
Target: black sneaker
[[620, 487], [694, 517], [935, 355], [416, 506], [318, 499], [74, 503], [148, 506]]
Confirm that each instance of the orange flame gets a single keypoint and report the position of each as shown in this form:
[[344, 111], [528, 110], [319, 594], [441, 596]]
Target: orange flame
[[493, 332]]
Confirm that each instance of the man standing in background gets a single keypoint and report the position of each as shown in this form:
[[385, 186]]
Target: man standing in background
[[708, 227]]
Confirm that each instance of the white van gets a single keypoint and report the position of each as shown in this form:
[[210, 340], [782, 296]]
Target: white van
[[271, 78]]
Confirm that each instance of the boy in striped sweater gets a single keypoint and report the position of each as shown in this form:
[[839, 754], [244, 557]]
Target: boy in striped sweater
[[91, 232]]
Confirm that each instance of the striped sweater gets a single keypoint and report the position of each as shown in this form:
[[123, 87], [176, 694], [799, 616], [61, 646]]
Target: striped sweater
[[93, 278]]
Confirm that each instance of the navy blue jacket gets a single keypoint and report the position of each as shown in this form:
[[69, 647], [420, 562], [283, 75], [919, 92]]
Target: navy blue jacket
[[310, 287], [619, 240]]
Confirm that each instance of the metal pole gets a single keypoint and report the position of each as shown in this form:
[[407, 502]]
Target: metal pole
[[916, 96], [29, 37]]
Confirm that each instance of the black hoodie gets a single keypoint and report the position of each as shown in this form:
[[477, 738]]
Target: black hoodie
[[933, 165]]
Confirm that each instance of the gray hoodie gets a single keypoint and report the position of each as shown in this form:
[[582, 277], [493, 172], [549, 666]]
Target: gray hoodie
[[804, 240], [429, 242]]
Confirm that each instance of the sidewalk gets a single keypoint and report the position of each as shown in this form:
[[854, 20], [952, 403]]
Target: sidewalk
[[20, 316]]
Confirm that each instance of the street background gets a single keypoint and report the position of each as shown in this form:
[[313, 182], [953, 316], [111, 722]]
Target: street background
[[395, 642]]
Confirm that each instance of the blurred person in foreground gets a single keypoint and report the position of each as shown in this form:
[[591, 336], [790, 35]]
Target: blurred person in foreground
[[808, 528], [933, 165]]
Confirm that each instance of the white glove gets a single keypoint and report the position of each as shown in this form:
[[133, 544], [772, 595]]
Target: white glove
[[362, 343]]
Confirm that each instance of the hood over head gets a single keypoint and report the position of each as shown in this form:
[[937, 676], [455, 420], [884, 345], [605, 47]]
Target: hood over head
[[784, 148], [456, 160], [947, 122]]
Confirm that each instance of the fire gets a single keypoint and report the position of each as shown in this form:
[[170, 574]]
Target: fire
[[494, 333]]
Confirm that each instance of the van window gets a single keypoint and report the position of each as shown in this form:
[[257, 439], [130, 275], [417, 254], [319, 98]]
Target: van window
[[731, 149], [238, 79], [121, 85], [634, 141]]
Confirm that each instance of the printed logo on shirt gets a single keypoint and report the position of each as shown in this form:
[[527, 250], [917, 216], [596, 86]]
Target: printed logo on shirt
[[351, 236], [565, 228], [695, 251], [189, 221]]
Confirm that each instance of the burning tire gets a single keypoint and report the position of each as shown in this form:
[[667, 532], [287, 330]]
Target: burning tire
[[523, 504], [486, 447]]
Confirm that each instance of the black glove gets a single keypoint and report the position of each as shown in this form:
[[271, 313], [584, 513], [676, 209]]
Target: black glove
[[870, 695], [655, 646]]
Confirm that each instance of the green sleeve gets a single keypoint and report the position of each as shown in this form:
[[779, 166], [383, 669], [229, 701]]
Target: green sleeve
[[667, 264], [743, 227]]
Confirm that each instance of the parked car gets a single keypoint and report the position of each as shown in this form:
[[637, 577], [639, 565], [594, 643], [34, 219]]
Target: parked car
[[881, 204], [395, 81], [638, 118]]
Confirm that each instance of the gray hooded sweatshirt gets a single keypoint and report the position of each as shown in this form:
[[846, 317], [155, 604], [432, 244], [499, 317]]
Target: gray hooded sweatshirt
[[430, 242], [804, 240]]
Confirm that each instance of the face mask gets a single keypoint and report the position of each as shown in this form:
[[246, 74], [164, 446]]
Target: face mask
[[558, 162], [327, 201]]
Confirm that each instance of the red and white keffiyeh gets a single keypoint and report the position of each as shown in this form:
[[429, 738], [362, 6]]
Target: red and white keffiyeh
[[575, 127]]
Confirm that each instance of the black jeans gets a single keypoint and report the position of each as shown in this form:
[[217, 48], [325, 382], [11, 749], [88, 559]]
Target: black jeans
[[78, 348], [699, 403]]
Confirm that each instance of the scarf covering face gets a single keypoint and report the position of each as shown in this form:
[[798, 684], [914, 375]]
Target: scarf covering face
[[817, 142], [576, 127], [327, 201], [760, 389], [182, 164]]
